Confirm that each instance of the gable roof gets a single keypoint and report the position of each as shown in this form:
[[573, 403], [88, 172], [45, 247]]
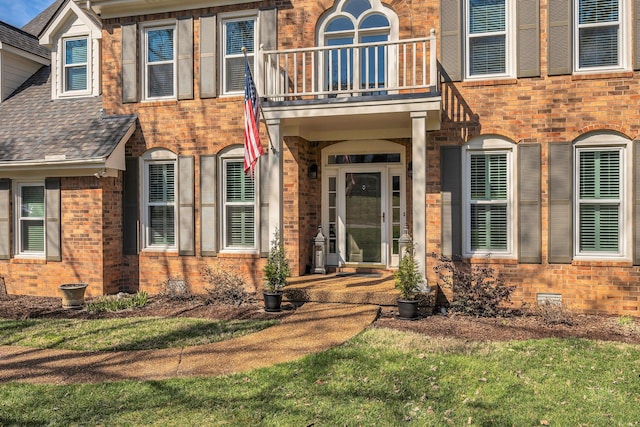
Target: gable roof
[[38, 24], [19, 39], [35, 129]]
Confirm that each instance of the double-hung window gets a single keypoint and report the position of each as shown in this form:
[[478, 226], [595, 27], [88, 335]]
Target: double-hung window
[[237, 33], [488, 188], [75, 66], [599, 34], [599, 200], [160, 207], [488, 38], [30, 213], [239, 206], [159, 62]]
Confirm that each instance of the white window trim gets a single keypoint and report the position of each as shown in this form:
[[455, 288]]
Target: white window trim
[[490, 145], [63, 66], [157, 156], [510, 44], [606, 141], [19, 253], [237, 154], [144, 30], [231, 17], [624, 38]]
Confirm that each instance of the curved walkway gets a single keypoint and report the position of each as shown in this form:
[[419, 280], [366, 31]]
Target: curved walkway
[[311, 329]]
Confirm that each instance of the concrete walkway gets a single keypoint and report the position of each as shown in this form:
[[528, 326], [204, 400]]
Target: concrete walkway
[[311, 329]]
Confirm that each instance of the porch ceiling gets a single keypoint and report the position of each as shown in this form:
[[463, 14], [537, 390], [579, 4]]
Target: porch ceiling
[[352, 118]]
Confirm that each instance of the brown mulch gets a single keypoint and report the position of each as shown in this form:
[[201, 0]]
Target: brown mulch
[[514, 327]]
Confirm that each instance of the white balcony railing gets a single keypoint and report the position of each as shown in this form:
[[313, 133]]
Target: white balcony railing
[[380, 68]]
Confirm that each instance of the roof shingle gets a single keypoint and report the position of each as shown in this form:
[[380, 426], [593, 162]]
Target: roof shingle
[[33, 127], [22, 40]]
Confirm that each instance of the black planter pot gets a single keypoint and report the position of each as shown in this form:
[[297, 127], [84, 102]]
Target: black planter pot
[[272, 301], [408, 309]]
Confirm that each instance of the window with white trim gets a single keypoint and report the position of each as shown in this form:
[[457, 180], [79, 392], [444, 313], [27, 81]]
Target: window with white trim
[[358, 22], [239, 203], [75, 64], [237, 32], [599, 34], [30, 215], [489, 38], [159, 62], [159, 214], [489, 197]]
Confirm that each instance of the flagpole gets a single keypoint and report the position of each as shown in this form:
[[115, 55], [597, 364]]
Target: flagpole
[[273, 149]]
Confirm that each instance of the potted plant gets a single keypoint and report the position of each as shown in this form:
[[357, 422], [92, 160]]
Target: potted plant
[[408, 281], [275, 272]]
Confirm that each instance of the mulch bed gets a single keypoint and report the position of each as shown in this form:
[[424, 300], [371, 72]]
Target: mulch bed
[[514, 327]]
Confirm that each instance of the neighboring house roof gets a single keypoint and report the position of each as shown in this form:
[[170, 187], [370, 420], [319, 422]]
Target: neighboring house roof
[[35, 129], [38, 24], [22, 40]]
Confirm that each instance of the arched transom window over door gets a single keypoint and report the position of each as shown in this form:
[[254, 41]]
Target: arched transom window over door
[[355, 33]]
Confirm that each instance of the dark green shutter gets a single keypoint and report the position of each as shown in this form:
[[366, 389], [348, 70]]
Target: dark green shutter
[[186, 224], [451, 33], [208, 40], [129, 63], [451, 179], [268, 22], [529, 204], [5, 218], [264, 234], [53, 220], [130, 206], [560, 42], [208, 206], [560, 203], [185, 58], [528, 38]]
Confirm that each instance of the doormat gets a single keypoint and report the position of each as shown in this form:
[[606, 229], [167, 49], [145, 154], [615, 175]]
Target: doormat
[[358, 275]]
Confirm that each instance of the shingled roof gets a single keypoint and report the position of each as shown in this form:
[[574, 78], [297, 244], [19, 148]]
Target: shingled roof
[[34, 128], [22, 40], [38, 24]]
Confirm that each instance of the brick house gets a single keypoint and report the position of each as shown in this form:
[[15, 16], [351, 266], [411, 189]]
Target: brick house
[[496, 131]]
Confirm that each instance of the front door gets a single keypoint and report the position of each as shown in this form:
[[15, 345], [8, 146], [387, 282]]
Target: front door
[[363, 202], [364, 217]]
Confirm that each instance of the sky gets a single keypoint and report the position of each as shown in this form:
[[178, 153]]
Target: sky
[[19, 12]]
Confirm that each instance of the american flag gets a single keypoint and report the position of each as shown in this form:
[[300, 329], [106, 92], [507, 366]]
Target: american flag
[[252, 145]]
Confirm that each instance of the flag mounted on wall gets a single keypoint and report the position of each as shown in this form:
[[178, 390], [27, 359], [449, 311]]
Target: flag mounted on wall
[[252, 145]]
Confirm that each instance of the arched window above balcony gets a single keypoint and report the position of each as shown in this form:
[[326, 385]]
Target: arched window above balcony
[[358, 29]]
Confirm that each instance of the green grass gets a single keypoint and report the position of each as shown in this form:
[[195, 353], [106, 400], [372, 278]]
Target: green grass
[[381, 377], [123, 334]]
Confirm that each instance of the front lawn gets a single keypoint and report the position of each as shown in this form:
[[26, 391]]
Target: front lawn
[[134, 333], [382, 377]]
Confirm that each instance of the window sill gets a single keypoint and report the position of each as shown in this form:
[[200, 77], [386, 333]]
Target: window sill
[[491, 82], [236, 254], [601, 262], [493, 259], [23, 259], [157, 102], [622, 74], [151, 252]]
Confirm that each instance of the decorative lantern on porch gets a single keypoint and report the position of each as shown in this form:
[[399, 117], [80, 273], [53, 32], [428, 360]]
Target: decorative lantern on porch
[[319, 252], [404, 242]]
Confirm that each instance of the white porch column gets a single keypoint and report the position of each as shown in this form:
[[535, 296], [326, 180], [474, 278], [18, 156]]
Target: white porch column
[[274, 176], [419, 164]]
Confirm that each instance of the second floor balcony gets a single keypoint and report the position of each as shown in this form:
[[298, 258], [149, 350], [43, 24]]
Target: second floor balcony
[[351, 91], [386, 68]]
